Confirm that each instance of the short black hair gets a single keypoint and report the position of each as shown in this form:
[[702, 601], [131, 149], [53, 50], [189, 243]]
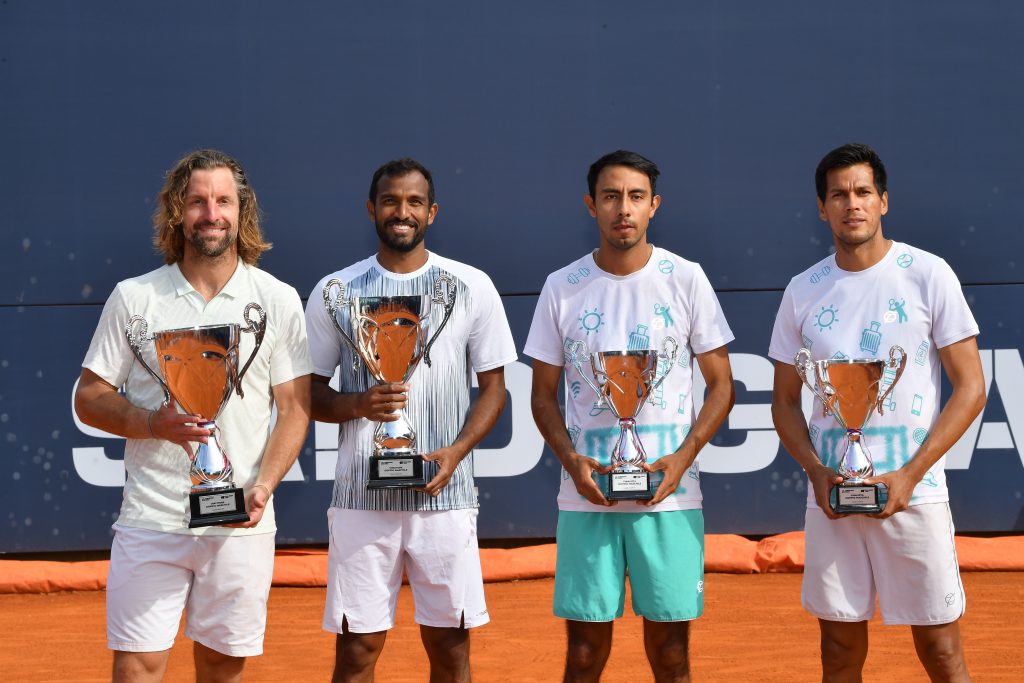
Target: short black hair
[[398, 168], [844, 157], [622, 157]]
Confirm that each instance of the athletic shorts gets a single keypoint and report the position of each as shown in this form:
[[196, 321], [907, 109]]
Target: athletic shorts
[[909, 560], [222, 583], [369, 550], [663, 552]]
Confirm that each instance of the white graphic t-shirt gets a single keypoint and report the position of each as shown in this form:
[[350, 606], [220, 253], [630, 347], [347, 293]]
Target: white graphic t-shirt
[[668, 297], [476, 338], [911, 299]]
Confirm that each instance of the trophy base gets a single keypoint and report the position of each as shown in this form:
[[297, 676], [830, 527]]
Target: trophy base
[[217, 506], [399, 470], [857, 498], [628, 485]]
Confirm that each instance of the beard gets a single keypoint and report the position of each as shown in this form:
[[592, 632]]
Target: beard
[[403, 243], [212, 247]]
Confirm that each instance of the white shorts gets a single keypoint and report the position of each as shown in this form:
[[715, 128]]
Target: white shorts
[[370, 548], [909, 559], [221, 582]]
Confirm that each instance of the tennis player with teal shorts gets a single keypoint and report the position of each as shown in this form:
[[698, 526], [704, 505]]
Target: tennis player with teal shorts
[[629, 295]]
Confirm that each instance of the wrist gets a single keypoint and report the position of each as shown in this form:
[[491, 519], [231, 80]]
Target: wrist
[[149, 424], [260, 484]]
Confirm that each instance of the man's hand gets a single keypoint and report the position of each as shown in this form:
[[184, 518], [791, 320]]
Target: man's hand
[[581, 469], [256, 500], [447, 460], [168, 424], [822, 480], [901, 488], [382, 402], [674, 466]]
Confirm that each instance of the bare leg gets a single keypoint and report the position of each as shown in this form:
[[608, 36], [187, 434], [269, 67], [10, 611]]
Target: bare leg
[[844, 648], [356, 654], [448, 651], [590, 643], [940, 650], [668, 650], [139, 667], [215, 667]]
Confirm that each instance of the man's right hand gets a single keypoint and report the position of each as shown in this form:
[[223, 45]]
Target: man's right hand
[[822, 480], [181, 428], [382, 402], [581, 469]]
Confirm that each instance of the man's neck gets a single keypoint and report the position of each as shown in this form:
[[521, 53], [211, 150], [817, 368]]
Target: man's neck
[[402, 262], [208, 276], [858, 257], [623, 261]]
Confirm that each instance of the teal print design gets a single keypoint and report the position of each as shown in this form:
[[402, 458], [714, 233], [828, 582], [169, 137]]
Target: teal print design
[[591, 321], [574, 389], [915, 408], [658, 439], [871, 337], [567, 348], [658, 397], [819, 275], [888, 377], [922, 353], [666, 267], [598, 408], [682, 403], [920, 434], [574, 434], [808, 344], [665, 314], [638, 339], [930, 480], [694, 471], [581, 274], [683, 360], [904, 260], [897, 308], [814, 432], [826, 318], [889, 446], [839, 355], [684, 432]]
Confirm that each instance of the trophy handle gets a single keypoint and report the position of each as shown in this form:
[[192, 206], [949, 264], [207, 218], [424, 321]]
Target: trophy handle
[[335, 303], [806, 366], [669, 351], [137, 332], [578, 350], [444, 294], [896, 356], [258, 328]]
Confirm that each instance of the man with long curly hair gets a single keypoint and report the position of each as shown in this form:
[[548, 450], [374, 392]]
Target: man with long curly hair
[[207, 228]]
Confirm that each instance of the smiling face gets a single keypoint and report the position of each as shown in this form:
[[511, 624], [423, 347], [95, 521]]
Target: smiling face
[[623, 205], [402, 211], [210, 212], [852, 207]]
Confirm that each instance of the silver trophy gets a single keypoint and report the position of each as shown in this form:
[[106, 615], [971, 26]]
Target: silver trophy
[[850, 391], [390, 334], [624, 382], [200, 370]]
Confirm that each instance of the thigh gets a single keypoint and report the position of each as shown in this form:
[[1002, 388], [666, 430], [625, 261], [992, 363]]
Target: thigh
[[443, 566], [665, 559], [838, 584], [147, 587], [227, 609], [364, 570], [916, 569], [590, 568]]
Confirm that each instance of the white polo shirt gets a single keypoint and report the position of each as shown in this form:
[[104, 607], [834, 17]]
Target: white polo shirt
[[157, 486]]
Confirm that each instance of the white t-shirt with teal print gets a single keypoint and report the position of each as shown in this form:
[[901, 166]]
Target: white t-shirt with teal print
[[910, 298], [668, 297]]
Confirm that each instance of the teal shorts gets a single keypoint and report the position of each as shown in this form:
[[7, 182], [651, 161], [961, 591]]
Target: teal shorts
[[663, 553]]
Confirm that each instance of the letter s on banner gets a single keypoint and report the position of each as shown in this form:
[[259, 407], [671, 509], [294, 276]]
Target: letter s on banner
[[92, 463]]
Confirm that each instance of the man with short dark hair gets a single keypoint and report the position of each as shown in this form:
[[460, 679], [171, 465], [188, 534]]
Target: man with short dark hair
[[871, 294], [629, 295], [207, 228], [429, 532]]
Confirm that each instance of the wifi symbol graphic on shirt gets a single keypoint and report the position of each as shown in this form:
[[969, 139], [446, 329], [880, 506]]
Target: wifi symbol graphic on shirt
[[575, 388]]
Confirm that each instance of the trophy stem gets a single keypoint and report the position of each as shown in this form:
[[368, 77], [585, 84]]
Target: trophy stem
[[211, 466], [628, 449], [856, 463]]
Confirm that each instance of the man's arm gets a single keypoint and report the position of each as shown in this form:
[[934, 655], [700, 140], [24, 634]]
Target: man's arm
[[792, 428], [963, 367], [484, 413], [292, 401], [551, 423], [378, 403], [99, 404], [714, 365]]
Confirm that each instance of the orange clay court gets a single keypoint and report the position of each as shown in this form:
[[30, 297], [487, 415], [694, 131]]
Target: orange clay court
[[753, 628]]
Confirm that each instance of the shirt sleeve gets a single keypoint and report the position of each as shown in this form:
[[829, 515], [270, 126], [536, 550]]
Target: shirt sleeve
[[545, 339], [490, 339], [786, 336], [324, 340], [290, 356], [709, 329], [109, 355], [952, 320]]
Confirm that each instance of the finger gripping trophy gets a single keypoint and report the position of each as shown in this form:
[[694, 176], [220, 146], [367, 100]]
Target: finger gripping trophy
[[390, 335], [624, 381], [850, 391], [200, 371]]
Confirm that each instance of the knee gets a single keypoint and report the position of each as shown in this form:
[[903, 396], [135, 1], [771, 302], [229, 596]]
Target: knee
[[842, 655], [670, 660], [585, 655], [357, 654], [943, 656]]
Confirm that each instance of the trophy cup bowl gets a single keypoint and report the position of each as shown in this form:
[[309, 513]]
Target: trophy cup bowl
[[851, 390], [624, 381], [390, 335], [200, 370]]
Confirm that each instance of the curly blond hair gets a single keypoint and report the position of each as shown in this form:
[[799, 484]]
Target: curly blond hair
[[168, 230]]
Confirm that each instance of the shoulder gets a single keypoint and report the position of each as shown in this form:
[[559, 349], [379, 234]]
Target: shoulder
[[823, 271], [346, 275], [916, 261], [154, 282], [471, 276], [580, 272], [271, 290]]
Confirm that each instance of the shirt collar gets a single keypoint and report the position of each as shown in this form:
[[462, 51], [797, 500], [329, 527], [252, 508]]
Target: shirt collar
[[234, 288]]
